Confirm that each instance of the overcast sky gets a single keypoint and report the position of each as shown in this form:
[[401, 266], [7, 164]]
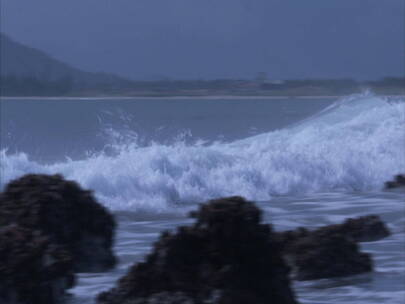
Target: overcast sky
[[145, 39]]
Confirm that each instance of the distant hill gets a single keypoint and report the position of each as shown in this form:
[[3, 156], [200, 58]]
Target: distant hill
[[25, 71], [18, 62]]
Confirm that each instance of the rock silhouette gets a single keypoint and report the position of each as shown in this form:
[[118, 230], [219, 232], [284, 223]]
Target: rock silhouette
[[32, 269], [326, 255], [331, 251], [399, 181], [65, 213], [362, 229], [226, 257]]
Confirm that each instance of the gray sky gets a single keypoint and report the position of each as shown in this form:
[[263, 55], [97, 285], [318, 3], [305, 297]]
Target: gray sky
[[143, 39]]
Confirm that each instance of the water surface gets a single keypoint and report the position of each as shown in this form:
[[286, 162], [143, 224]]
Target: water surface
[[306, 162]]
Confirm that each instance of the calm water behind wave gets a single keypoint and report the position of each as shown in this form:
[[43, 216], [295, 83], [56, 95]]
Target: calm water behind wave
[[53, 129], [307, 162]]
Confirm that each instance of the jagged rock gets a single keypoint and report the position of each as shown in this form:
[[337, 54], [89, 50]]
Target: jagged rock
[[362, 229], [399, 181], [326, 255], [226, 257], [64, 212], [32, 270], [331, 251]]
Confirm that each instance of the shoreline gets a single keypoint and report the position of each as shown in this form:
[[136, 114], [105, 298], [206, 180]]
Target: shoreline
[[211, 97]]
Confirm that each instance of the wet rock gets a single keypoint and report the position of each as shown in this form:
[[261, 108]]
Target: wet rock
[[164, 298], [362, 229], [326, 255], [399, 181], [331, 251], [64, 212], [289, 237], [32, 270], [226, 257]]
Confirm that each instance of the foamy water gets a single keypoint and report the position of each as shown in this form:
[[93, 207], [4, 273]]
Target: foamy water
[[354, 145], [136, 234], [313, 172]]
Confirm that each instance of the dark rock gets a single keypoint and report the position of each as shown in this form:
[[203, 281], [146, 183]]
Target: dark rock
[[399, 181], [164, 298], [32, 270], [331, 251], [326, 255], [67, 214], [226, 257], [362, 229], [287, 238]]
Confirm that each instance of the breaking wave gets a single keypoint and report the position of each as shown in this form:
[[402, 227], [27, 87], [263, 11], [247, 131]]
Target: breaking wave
[[354, 145]]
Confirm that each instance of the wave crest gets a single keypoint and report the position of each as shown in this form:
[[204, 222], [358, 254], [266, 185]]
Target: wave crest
[[356, 144]]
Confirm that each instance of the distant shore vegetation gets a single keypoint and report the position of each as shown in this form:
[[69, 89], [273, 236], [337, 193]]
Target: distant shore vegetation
[[13, 86]]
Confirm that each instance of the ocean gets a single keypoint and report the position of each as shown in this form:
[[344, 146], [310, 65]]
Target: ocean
[[305, 161]]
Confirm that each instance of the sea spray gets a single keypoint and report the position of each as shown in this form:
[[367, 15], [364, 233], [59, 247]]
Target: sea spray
[[354, 145]]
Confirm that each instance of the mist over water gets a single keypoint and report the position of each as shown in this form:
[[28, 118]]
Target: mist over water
[[355, 144]]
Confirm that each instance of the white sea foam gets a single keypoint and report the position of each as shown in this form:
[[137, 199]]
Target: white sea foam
[[356, 144]]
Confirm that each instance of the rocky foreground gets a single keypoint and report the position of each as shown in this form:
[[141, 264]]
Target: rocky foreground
[[227, 256], [51, 228], [32, 269], [331, 251], [68, 215]]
